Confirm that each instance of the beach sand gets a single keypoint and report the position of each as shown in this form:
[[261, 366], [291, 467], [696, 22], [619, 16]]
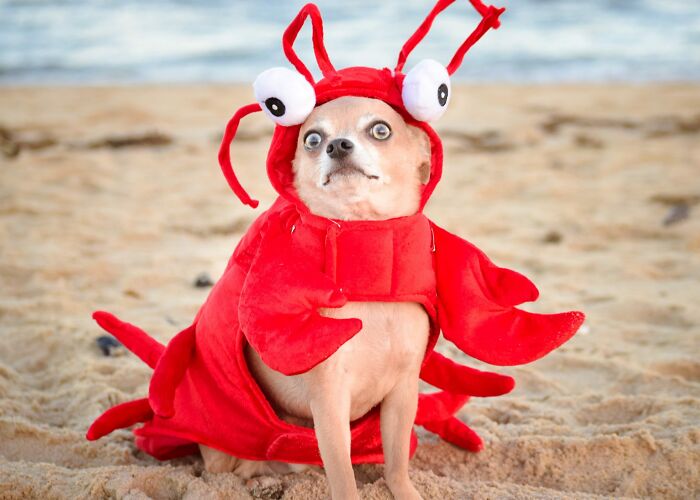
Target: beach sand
[[111, 198]]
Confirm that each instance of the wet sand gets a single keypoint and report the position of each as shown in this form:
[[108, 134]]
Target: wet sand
[[112, 198]]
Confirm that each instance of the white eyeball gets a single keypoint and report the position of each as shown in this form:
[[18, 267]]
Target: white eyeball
[[284, 95], [426, 90]]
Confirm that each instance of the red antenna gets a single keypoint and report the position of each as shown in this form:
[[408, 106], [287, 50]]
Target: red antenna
[[489, 20], [225, 153], [290, 35]]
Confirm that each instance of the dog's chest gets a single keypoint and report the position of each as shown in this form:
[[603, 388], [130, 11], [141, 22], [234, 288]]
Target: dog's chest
[[390, 346]]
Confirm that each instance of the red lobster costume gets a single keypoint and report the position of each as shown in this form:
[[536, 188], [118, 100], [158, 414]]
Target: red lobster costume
[[292, 262]]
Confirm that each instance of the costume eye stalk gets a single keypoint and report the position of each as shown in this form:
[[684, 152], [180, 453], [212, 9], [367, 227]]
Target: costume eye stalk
[[312, 140], [380, 131], [426, 90], [285, 96]]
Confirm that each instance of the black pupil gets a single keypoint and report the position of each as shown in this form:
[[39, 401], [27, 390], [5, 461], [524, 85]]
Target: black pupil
[[275, 106], [442, 94]]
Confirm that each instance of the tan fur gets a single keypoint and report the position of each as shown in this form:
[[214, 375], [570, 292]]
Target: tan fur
[[380, 365], [399, 162]]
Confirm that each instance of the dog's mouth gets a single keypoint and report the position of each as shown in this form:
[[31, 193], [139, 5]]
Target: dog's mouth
[[346, 169]]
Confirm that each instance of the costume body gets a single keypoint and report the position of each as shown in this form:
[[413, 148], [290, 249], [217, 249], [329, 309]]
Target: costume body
[[289, 264]]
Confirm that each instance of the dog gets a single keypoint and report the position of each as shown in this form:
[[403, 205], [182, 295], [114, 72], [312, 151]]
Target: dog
[[356, 159], [356, 165]]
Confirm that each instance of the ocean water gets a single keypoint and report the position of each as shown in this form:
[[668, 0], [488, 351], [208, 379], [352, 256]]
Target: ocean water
[[131, 41]]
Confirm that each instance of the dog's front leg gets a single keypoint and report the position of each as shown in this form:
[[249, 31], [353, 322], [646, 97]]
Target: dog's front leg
[[398, 412], [331, 415]]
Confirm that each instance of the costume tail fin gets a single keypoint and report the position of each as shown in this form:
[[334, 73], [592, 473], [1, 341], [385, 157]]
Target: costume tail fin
[[133, 338], [120, 416], [170, 371], [169, 364]]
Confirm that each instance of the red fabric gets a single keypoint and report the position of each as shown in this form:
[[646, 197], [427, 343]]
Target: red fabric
[[292, 262], [123, 415], [491, 328], [167, 376], [489, 20], [225, 154], [290, 35]]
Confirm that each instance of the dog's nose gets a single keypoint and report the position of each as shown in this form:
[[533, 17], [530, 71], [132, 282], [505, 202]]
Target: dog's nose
[[339, 148]]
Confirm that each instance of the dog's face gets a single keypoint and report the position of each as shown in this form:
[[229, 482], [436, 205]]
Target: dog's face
[[358, 159]]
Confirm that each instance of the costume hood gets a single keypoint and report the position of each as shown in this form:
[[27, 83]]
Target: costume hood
[[288, 96]]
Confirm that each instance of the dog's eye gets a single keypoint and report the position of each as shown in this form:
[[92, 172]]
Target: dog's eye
[[426, 90], [380, 131], [312, 140], [284, 95]]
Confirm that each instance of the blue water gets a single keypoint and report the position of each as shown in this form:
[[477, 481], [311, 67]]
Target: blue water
[[102, 41]]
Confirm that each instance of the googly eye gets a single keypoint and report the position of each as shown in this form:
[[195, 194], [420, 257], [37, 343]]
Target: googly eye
[[380, 131], [312, 140], [426, 90], [284, 95]]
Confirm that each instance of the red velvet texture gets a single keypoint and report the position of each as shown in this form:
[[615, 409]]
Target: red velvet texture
[[202, 392], [290, 263]]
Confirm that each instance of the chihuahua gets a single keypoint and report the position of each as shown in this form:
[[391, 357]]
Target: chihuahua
[[356, 159]]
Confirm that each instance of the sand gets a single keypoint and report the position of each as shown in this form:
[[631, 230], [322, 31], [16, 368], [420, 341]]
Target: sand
[[111, 198]]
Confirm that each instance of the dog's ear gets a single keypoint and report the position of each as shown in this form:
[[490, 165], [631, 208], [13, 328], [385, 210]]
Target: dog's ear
[[424, 172], [423, 149]]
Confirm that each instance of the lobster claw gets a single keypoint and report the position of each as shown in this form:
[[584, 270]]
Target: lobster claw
[[476, 310]]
